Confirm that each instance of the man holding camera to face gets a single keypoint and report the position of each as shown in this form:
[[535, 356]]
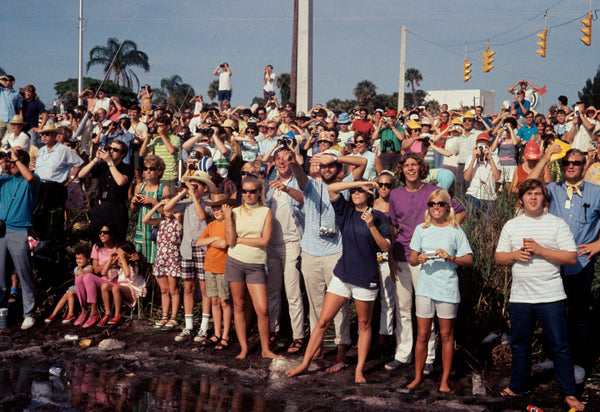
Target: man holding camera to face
[[482, 173], [224, 73]]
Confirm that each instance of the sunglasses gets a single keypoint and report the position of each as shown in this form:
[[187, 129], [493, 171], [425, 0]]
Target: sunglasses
[[359, 141], [357, 189], [468, 120], [249, 191], [270, 128], [152, 169], [323, 141], [433, 204], [105, 232], [388, 185], [115, 149], [251, 131], [244, 173], [572, 162]]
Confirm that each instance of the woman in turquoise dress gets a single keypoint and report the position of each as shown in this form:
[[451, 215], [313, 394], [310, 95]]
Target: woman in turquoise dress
[[147, 194]]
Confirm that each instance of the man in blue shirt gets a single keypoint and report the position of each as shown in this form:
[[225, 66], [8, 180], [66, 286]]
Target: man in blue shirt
[[10, 102], [521, 104], [578, 203], [526, 131], [18, 193]]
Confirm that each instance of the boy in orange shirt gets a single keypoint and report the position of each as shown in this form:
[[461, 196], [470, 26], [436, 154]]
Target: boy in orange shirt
[[217, 289]]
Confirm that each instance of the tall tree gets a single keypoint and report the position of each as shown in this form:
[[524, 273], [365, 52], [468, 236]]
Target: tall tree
[[283, 82], [213, 89], [590, 94], [413, 77], [364, 91], [118, 59], [174, 93]]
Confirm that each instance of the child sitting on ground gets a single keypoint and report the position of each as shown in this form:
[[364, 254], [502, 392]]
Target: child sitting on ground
[[82, 258], [166, 262], [124, 265], [217, 289]]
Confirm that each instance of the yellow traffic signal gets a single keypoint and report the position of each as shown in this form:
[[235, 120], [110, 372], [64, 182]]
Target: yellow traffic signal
[[466, 71], [542, 44], [587, 30], [487, 59]]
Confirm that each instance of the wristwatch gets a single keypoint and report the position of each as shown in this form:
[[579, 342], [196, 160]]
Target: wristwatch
[[110, 164]]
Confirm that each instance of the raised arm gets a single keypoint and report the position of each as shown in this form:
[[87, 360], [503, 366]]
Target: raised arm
[[334, 189]]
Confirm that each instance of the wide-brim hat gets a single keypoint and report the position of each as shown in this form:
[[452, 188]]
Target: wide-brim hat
[[218, 199], [18, 119], [48, 128], [344, 118], [201, 177]]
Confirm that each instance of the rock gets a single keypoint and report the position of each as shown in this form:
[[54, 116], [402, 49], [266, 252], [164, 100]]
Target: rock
[[491, 338], [478, 387], [111, 344]]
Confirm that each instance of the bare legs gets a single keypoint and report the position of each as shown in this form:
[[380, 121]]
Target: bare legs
[[258, 295], [121, 293], [447, 337], [169, 295], [364, 311]]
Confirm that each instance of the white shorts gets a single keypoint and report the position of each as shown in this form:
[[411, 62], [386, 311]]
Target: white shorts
[[506, 173], [426, 308], [346, 290]]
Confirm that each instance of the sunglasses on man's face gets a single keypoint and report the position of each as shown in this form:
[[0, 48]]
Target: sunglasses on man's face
[[115, 149], [150, 169], [572, 163]]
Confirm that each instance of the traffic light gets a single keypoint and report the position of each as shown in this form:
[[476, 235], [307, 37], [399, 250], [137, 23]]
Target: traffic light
[[466, 71], [587, 30], [542, 44], [487, 59]]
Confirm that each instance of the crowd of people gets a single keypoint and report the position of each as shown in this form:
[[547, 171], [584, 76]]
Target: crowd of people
[[255, 205]]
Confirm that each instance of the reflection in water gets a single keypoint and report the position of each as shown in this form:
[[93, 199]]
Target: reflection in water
[[85, 387]]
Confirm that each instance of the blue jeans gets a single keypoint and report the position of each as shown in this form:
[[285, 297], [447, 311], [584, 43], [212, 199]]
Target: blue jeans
[[553, 320], [15, 243]]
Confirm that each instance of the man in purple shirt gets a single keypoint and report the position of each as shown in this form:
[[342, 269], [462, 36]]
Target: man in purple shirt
[[407, 208]]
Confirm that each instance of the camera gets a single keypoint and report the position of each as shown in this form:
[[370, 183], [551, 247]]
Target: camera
[[327, 232], [192, 166], [505, 127], [577, 112], [455, 127], [152, 129], [283, 141], [4, 155], [103, 147], [481, 148], [425, 141], [194, 155], [72, 143]]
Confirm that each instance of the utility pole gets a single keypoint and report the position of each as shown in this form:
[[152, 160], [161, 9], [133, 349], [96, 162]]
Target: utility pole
[[402, 69], [304, 56], [80, 76], [294, 71]]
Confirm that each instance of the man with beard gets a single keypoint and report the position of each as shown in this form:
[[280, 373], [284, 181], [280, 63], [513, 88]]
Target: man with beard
[[322, 241]]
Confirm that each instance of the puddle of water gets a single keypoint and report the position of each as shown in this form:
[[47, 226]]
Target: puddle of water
[[86, 387]]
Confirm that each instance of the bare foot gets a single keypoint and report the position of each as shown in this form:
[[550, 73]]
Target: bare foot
[[340, 357], [574, 403], [242, 355], [359, 377], [270, 355], [414, 383], [296, 371], [444, 387]]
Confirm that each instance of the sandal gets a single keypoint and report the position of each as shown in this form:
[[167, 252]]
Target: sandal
[[161, 323], [172, 323], [295, 346], [213, 340], [223, 344]]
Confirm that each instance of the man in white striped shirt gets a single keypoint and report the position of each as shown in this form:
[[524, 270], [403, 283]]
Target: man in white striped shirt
[[536, 244]]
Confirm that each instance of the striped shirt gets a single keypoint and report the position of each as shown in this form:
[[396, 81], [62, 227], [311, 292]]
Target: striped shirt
[[538, 280]]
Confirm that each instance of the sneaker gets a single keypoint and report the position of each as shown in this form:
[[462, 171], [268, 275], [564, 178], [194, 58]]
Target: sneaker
[[91, 321], [29, 322], [395, 364], [428, 368], [49, 319], [545, 366], [104, 320], [184, 335], [201, 336], [579, 373], [68, 319], [115, 320], [80, 319]]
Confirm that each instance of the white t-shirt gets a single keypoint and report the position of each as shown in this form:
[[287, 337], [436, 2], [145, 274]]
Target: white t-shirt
[[270, 84], [482, 185], [102, 104], [538, 280], [22, 141], [224, 80], [284, 226]]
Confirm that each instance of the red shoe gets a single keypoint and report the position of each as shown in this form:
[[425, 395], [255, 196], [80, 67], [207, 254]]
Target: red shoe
[[80, 319], [104, 320], [49, 319], [115, 320], [91, 321], [68, 319]]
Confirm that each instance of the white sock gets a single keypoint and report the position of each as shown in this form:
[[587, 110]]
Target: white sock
[[205, 320], [189, 321]]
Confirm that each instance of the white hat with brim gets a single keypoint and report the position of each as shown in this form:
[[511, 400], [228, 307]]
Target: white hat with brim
[[201, 177], [47, 129], [18, 119]]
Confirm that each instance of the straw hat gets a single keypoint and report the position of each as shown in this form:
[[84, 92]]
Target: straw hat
[[48, 129], [201, 177], [218, 199], [18, 119]]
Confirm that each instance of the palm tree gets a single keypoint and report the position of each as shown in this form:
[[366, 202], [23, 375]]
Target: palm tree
[[364, 91], [283, 82], [213, 89], [117, 58], [413, 77], [174, 93]]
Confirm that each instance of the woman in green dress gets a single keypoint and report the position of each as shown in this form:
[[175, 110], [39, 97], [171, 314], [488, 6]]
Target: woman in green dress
[[147, 194]]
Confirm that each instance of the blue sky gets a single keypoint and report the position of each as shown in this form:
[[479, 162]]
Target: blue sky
[[353, 40]]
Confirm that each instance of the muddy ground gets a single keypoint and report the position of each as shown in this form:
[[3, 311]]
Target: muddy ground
[[152, 354]]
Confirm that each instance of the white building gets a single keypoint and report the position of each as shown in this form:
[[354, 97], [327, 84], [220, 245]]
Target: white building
[[457, 98]]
